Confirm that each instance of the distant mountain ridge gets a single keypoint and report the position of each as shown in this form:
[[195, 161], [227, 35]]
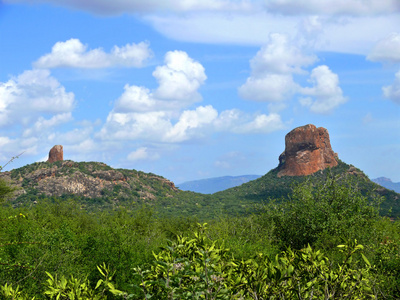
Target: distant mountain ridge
[[215, 184], [388, 183]]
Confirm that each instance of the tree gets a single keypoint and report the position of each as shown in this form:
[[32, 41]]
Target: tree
[[334, 210]]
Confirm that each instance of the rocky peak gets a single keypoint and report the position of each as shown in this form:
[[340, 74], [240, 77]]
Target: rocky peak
[[56, 154], [307, 150]]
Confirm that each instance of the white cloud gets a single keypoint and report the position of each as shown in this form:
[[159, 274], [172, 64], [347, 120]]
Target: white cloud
[[72, 53], [387, 49], [149, 126], [321, 32], [247, 29], [160, 115], [393, 91], [142, 153], [238, 122], [269, 88], [135, 99], [144, 114], [326, 92], [4, 141], [190, 123], [179, 78], [24, 98], [333, 7], [279, 56], [42, 124], [262, 124], [271, 71]]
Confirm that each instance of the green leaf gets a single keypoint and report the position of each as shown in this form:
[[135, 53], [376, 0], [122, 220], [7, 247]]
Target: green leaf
[[365, 259]]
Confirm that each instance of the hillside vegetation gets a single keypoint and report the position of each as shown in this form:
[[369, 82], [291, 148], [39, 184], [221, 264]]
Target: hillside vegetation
[[327, 241], [96, 186], [87, 231]]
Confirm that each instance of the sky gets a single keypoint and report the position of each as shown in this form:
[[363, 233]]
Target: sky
[[193, 89]]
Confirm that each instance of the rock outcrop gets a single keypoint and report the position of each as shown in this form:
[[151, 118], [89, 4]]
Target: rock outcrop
[[56, 154], [89, 180], [307, 150]]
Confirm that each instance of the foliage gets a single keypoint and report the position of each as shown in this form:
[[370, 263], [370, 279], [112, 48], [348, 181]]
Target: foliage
[[79, 289], [254, 256], [271, 187], [331, 210], [196, 268]]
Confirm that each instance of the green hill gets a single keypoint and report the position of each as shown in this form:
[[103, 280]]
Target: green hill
[[96, 186], [270, 186]]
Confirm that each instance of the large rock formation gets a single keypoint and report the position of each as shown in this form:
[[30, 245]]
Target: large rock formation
[[56, 154], [307, 150]]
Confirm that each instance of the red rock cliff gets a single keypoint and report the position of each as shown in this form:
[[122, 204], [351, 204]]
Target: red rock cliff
[[307, 150], [56, 154]]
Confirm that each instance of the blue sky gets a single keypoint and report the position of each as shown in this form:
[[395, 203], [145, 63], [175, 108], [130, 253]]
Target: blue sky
[[192, 89]]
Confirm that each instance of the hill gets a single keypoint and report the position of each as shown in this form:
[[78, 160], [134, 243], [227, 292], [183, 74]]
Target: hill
[[271, 186], [216, 184], [388, 183], [97, 186]]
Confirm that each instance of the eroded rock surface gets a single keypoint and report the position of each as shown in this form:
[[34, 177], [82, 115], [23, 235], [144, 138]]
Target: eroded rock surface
[[87, 179], [56, 154], [307, 150]]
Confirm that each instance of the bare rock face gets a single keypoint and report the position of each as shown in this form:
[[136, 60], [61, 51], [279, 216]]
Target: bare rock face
[[56, 154], [307, 150]]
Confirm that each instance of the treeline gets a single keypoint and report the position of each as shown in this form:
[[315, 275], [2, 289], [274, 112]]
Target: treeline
[[287, 250]]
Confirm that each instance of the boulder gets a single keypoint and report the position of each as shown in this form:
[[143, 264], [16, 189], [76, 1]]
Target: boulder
[[56, 154], [307, 150]]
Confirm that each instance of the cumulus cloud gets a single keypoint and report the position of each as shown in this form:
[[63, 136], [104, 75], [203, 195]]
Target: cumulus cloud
[[279, 56], [392, 92], [141, 113], [72, 53], [190, 123], [387, 49], [269, 88], [333, 7], [271, 80], [150, 126], [179, 78], [24, 98], [178, 82], [162, 114], [271, 77], [325, 94]]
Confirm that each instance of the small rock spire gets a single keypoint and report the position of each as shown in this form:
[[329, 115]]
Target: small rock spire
[[56, 154]]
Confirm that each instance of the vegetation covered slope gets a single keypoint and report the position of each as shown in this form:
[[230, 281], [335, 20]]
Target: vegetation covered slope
[[95, 185], [290, 249], [270, 186]]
